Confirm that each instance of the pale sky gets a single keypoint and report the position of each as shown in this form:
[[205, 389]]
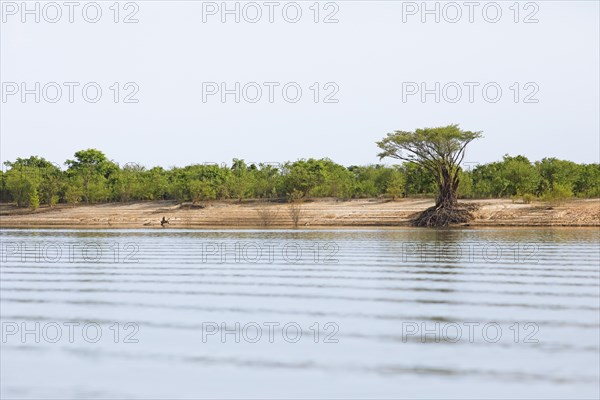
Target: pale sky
[[377, 53]]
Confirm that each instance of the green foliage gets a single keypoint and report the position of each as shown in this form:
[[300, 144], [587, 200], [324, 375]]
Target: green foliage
[[339, 182], [30, 179], [96, 173], [418, 180], [73, 191], [558, 193], [553, 171], [34, 200], [439, 150], [303, 176], [518, 175], [22, 183], [128, 183], [550, 178], [370, 180], [50, 185], [396, 184], [513, 176], [588, 182], [528, 198], [201, 191], [91, 177], [240, 181], [4, 195], [465, 187], [267, 181], [155, 183]]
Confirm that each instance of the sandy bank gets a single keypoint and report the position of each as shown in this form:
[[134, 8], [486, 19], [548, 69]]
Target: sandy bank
[[318, 213]]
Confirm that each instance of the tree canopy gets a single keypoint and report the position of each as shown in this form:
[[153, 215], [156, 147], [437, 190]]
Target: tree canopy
[[440, 151], [91, 176]]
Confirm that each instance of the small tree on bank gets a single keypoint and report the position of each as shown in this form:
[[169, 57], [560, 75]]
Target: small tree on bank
[[440, 151], [295, 206]]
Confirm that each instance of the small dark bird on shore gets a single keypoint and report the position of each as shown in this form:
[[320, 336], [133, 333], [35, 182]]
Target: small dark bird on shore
[[164, 221]]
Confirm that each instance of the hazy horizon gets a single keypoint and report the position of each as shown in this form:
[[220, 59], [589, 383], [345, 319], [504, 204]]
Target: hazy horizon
[[370, 58], [386, 161]]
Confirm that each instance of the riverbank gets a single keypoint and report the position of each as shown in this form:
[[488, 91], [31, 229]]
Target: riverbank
[[317, 213]]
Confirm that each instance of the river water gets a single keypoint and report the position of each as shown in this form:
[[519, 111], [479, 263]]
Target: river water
[[363, 313]]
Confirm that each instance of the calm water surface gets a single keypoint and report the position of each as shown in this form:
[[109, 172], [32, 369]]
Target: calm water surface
[[319, 313]]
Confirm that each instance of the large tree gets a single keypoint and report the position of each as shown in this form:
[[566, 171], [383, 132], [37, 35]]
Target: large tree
[[91, 170], [440, 151]]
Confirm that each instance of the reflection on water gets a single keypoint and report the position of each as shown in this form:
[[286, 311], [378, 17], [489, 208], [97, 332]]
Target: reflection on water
[[295, 313]]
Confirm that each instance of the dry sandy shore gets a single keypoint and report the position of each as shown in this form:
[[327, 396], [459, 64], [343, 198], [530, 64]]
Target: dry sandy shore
[[318, 213]]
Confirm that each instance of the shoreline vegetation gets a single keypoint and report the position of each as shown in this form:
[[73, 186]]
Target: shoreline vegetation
[[431, 167], [313, 213]]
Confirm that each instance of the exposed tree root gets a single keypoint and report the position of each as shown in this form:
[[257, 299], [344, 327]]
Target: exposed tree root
[[440, 216]]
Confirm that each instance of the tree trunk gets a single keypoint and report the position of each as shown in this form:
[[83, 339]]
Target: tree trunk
[[446, 197], [446, 210], [447, 191]]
